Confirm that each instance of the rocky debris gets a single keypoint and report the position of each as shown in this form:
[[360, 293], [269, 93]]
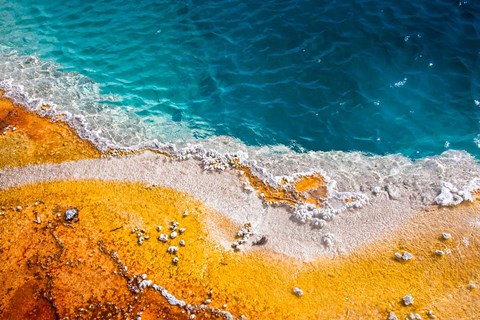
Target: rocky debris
[[242, 236], [405, 256], [185, 213], [175, 260], [472, 286], [182, 230], [70, 214], [19, 208], [182, 243], [137, 284], [298, 292], [173, 235], [163, 238], [414, 316], [172, 249], [174, 225], [140, 238], [140, 235], [159, 228], [431, 315], [439, 252], [408, 300], [446, 236], [392, 316]]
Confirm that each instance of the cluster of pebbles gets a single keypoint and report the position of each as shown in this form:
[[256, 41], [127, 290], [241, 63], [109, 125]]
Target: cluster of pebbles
[[174, 231], [408, 300], [246, 235]]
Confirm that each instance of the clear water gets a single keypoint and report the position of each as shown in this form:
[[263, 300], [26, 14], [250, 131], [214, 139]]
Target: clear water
[[380, 77]]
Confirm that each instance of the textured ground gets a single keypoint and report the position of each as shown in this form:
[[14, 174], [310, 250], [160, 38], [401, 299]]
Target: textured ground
[[52, 268]]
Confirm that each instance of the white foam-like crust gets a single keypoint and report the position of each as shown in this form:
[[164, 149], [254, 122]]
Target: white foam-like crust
[[450, 195], [223, 191], [399, 184]]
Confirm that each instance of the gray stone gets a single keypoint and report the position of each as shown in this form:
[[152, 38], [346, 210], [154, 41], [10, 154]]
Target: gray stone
[[71, 214]]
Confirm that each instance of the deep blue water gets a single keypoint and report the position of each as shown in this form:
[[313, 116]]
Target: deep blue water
[[375, 76]]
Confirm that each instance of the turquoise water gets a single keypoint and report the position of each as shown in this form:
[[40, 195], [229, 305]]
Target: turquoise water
[[375, 76]]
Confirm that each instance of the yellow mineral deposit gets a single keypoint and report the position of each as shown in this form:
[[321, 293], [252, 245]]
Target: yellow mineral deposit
[[88, 249]]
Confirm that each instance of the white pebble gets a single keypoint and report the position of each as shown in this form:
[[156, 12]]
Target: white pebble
[[173, 235], [163, 238], [298, 292], [182, 243], [172, 249], [446, 236], [408, 300], [392, 316]]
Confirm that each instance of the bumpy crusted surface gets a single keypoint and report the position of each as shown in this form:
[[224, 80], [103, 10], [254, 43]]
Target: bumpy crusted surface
[[105, 261]]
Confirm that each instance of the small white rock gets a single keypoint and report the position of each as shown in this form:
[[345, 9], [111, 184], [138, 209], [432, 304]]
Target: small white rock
[[408, 300], [163, 238], [173, 235], [175, 260], [446, 236], [182, 230], [298, 292], [405, 256], [172, 249], [439, 252], [431, 315], [392, 316], [182, 243]]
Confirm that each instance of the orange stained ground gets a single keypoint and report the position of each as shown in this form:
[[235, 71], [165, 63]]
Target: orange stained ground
[[304, 189], [26, 138], [59, 269]]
